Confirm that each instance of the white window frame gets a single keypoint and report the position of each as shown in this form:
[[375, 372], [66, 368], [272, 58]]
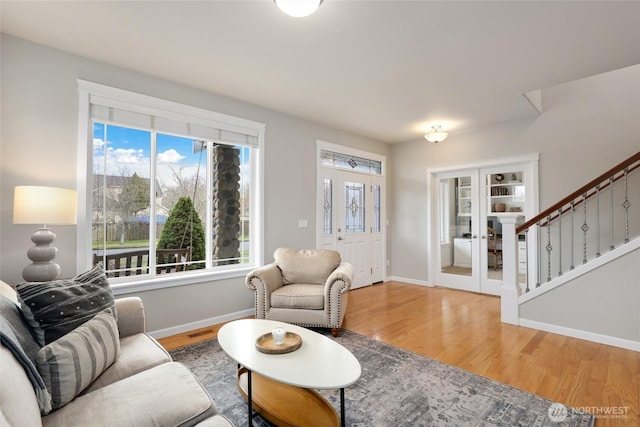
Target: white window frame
[[170, 109]]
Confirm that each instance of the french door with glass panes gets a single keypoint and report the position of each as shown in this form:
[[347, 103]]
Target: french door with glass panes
[[467, 232]]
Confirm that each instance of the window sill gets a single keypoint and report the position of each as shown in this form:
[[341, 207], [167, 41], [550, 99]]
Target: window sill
[[134, 284]]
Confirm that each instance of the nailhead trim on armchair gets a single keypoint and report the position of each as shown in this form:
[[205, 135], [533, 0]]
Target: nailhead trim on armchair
[[265, 279]]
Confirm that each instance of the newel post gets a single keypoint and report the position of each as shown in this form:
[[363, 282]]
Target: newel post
[[509, 308]]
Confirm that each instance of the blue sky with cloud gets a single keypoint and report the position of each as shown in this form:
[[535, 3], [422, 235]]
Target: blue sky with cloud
[[129, 150]]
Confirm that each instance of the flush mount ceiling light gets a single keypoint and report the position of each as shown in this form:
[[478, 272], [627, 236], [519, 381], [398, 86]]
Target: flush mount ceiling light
[[298, 8], [436, 134]]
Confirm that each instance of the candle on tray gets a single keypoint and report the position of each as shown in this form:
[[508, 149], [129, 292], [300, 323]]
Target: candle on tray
[[278, 335]]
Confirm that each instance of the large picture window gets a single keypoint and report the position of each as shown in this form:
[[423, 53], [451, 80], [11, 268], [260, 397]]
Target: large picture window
[[171, 191]]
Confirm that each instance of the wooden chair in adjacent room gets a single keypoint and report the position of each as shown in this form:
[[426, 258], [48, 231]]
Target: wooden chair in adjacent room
[[493, 252]]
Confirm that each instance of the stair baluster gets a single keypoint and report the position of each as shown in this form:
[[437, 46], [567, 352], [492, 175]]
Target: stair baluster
[[560, 223]]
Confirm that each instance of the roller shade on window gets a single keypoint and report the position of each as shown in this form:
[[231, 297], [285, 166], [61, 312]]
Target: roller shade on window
[[112, 111]]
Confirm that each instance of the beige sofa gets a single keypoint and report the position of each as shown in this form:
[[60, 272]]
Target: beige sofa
[[307, 288], [143, 387]]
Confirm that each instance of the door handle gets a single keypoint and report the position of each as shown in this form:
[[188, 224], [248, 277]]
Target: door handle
[[484, 237], [474, 237], [340, 238]]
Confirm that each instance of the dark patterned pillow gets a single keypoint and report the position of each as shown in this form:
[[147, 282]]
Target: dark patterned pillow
[[54, 308], [69, 364]]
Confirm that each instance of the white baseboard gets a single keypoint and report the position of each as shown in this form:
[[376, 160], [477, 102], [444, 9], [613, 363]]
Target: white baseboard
[[410, 281], [585, 335], [186, 327]]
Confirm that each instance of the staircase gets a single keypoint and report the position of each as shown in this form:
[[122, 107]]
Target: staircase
[[583, 262]]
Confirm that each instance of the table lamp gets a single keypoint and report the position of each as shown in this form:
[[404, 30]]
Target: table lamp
[[43, 205]]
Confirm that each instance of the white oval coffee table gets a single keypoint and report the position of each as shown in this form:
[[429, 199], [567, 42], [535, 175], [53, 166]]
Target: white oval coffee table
[[285, 381]]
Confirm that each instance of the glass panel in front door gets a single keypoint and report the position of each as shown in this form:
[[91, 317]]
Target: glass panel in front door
[[455, 226], [354, 215]]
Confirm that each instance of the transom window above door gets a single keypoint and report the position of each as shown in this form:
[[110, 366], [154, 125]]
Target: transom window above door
[[344, 161]]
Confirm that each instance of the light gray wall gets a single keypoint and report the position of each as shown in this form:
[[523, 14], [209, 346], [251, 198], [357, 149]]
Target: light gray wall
[[587, 127], [38, 147], [605, 301]]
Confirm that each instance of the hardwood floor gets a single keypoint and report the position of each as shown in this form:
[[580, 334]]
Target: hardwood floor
[[464, 329]]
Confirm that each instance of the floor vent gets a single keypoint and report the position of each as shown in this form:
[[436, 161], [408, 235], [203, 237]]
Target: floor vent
[[199, 334]]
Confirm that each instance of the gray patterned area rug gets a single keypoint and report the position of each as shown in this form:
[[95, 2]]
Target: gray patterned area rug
[[396, 388]]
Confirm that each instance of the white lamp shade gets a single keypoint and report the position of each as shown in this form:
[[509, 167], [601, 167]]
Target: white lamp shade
[[44, 205], [298, 8]]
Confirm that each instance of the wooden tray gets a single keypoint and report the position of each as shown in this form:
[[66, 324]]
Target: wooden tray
[[267, 344]]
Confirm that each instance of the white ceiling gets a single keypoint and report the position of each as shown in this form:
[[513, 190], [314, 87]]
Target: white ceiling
[[382, 69]]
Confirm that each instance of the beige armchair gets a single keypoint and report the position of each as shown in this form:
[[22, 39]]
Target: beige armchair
[[306, 288]]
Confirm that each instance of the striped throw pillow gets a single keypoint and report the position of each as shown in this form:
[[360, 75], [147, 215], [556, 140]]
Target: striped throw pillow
[[54, 308], [69, 364]]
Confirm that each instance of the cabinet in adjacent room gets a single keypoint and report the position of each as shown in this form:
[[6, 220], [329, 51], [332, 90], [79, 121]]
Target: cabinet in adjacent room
[[462, 252]]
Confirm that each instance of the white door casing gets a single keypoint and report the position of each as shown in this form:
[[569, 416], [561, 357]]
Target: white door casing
[[350, 217]]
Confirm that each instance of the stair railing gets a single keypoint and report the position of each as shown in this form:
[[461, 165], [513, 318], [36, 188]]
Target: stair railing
[[589, 221], [598, 217]]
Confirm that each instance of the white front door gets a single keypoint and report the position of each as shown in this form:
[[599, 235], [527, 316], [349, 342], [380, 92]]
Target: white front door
[[353, 210]]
